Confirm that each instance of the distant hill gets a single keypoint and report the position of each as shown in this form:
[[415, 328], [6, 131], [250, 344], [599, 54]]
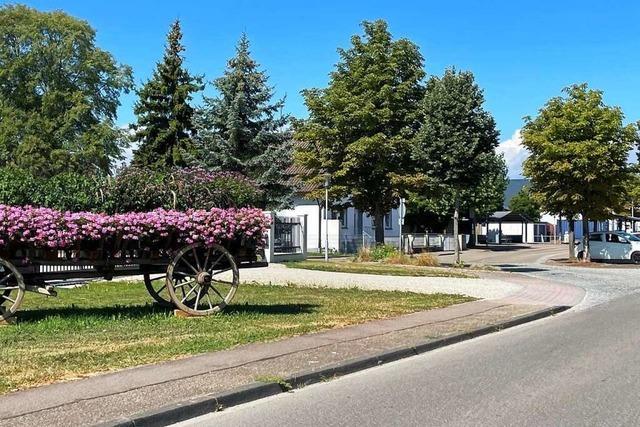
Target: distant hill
[[512, 189]]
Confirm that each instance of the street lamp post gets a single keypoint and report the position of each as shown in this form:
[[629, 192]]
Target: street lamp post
[[327, 182]]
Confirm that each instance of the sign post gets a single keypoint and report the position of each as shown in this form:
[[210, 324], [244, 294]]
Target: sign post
[[402, 210]]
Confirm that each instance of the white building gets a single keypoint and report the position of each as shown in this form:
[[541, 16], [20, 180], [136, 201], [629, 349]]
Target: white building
[[348, 228]]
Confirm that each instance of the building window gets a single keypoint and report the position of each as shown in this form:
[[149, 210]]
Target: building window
[[387, 221], [343, 218]]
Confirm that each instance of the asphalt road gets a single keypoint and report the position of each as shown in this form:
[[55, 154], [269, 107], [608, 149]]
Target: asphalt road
[[580, 368]]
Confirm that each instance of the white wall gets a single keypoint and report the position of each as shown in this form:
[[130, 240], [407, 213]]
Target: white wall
[[338, 234]]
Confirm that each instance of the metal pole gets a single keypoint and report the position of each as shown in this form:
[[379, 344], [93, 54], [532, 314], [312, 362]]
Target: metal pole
[[326, 223]]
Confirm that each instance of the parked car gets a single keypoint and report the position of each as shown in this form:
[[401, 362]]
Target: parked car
[[612, 246]]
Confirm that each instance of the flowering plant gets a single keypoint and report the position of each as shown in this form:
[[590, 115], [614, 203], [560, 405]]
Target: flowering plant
[[49, 228]]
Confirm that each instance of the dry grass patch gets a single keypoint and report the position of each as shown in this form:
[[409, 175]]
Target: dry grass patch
[[109, 326]]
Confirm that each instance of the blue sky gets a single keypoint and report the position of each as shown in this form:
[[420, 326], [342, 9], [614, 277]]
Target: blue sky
[[522, 53]]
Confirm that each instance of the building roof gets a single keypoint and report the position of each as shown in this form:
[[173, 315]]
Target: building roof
[[508, 216]]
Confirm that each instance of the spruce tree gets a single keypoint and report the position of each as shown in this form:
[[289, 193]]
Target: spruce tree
[[243, 129], [165, 118]]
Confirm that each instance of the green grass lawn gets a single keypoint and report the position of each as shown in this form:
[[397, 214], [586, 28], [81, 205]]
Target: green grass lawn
[[108, 326], [379, 268]]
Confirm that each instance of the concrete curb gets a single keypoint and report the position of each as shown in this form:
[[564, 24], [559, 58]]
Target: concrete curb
[[202, 405]]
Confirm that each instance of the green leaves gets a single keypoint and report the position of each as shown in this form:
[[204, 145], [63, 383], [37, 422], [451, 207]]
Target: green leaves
[[59, 94], [165, 118], [579, 154], [243, 129], [360, 125]]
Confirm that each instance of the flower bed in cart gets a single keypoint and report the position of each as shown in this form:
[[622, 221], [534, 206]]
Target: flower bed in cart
[[183, 256], [44, 228]]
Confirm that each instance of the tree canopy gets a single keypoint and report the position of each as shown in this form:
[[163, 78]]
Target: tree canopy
[[58, 94], [360, 126], [455, 147], [579, 154], [243, 129], [524, 203], [165, 126]]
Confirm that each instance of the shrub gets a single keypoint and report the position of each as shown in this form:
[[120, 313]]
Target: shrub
[[426, 260], [398, 258], [137, 189], [382, 252], [199, 188], [363, 255], [67, 191]]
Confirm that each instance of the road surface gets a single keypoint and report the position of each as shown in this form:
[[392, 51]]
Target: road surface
[[579, 368]]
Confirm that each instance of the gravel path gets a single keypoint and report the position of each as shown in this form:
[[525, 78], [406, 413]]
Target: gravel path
[[478, 288]]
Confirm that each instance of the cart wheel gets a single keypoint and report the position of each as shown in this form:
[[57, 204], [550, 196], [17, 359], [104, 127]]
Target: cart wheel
[[12, 289], [156, 285], [195, 279]]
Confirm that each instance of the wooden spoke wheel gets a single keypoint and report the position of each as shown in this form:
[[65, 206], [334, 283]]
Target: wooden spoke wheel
[[156, 285], [12, 289], [202, 280]]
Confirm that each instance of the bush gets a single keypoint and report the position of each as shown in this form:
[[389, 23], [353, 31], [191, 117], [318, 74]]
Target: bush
[[363, 255], [382, 252], [426, 260], [67, 191], [137, 189]]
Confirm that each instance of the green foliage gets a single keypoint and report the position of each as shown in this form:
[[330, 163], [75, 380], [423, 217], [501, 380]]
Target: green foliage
[[67, 191], [140, 189], [579, 148], [455, 150], [360, 126], [244, 130], [457, 139], [59, 94], [382, 252], [137, 190], [165, 118], [524, 203]]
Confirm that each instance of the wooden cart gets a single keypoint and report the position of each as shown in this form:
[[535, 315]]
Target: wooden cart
[[194, 278]]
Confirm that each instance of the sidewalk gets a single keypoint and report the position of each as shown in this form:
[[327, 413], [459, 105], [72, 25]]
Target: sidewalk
[[109, 397]]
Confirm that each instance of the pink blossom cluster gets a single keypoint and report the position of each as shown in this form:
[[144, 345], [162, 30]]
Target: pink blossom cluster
[[49, 228]]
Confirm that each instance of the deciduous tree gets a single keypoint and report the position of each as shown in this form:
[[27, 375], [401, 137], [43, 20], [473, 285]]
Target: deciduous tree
[[523, 203], [456, 143], [360, 126], [59, 94], [579, 149]]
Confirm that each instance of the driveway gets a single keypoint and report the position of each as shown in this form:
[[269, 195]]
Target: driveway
[[507, 254]]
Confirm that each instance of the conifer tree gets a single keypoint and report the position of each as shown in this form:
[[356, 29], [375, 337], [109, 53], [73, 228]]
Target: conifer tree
[[165, 118], [243, 129]]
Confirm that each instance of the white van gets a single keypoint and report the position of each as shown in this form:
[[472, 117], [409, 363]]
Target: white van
[[613, 246]]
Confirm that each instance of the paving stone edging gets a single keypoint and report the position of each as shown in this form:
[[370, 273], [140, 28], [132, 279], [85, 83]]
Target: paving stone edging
[[202, 405]]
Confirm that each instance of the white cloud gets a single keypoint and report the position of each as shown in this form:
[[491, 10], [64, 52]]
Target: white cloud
[[514, 154]]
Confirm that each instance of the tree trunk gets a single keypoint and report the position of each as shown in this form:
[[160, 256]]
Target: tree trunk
[[379, 218], [456, 217], [572, 238]]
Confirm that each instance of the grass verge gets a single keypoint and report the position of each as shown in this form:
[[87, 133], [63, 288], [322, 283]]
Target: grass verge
[[379, 268], [107, 326]]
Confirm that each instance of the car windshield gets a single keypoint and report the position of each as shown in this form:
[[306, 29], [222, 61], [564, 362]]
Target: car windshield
[[630, 237]]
